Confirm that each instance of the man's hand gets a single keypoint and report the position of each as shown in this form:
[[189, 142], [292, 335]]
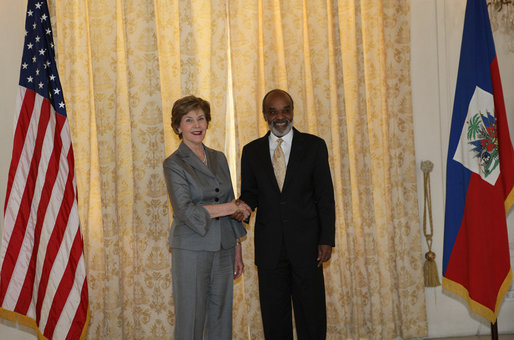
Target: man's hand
[[242, 212], [324, 253]]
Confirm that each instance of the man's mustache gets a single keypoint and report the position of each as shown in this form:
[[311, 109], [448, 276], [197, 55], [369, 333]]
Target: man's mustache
[[280, 121]]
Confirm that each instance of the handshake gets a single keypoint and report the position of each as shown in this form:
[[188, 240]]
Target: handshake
[[241, 210]]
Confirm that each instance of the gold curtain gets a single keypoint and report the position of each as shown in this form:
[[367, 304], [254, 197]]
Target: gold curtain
[[346, 64], [109, 65]]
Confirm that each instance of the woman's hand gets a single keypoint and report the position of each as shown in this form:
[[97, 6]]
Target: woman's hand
[[238, 261], [237, 209], [242, 210]]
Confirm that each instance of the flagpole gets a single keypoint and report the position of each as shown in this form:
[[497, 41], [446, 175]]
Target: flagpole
[[494, 330]]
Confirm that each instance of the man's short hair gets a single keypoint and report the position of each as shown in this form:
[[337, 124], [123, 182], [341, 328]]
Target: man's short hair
[[276, 90]]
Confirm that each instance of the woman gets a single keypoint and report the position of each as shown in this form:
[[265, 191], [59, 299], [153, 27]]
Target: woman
[[205, 240]]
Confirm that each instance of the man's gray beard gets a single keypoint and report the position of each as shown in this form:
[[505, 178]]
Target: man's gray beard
[[278, 133]]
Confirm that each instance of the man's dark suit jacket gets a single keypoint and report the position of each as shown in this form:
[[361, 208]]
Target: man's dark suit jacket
[[302, 216]]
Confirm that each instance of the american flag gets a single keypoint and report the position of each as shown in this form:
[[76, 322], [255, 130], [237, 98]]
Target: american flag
[[43, 275]]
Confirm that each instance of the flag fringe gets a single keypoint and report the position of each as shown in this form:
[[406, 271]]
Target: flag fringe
[[31, 323], [509, 201], [22, 320], [86, 325], [475, 306]]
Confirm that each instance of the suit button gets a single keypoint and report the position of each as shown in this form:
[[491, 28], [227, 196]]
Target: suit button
[[217, 190], [216, 199]]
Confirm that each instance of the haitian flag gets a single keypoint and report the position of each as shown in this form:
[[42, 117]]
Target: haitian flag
[[480, 175]]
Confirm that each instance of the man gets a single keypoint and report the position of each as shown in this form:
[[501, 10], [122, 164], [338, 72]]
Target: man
[[286, 175]]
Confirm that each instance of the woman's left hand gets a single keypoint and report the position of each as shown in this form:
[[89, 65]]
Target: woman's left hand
[[238, 262]]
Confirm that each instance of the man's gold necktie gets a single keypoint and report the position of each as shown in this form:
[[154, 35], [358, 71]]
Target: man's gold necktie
[[279, 164]]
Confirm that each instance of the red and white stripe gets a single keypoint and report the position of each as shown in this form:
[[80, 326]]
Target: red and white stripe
[[43, 273]]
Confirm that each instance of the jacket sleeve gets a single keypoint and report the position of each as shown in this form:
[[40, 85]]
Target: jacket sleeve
[[324, 196], [185, 210], [237, 227], [249, 190]]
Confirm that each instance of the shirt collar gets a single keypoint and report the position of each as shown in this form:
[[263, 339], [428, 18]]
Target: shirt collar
[[287, 138]]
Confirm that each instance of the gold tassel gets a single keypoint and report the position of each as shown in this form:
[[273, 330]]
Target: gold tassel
[[430, 273]]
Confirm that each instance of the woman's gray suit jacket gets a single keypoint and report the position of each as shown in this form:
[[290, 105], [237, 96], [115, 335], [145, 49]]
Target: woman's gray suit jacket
[[191, 185]]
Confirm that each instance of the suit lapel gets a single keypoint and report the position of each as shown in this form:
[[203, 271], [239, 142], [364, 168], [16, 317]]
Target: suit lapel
[[212, 160], [265, 160], [295, 157], [190, 158]]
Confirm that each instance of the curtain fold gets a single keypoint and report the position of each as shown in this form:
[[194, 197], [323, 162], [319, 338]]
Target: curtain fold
[[109, 61], [346, 64]]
